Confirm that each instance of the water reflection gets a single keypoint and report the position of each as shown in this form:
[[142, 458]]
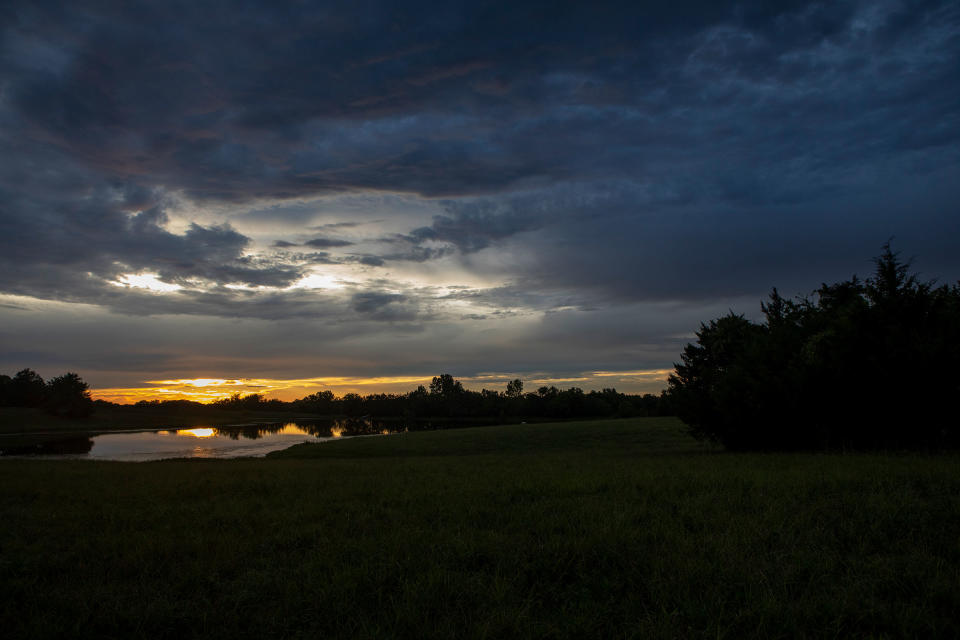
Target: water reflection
[[55, 446], [205, 442], [197, 442], [196, 433], [331, 428]]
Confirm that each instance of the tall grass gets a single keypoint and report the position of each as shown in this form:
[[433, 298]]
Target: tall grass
[[621, 529]]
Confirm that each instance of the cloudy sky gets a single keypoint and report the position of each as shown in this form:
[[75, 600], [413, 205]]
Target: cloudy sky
[[361, 195]]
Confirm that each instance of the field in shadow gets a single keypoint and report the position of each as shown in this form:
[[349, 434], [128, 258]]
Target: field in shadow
[[623, 528]]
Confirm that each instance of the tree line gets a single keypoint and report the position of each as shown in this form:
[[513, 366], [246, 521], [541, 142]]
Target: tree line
[[871, 364], [446, 398], [67, 395]]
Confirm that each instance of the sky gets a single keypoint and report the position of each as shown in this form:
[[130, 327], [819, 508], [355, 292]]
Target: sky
[[200, 198]]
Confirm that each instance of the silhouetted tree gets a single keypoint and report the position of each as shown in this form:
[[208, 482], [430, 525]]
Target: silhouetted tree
[[860, 364], [515, 388], [27, 389], [446, 395], [416, 404], [5, 381], [319, 402], [69, 396], [444, 385], [352, 405]]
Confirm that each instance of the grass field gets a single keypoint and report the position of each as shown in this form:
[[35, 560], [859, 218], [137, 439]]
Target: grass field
[[619, 529]]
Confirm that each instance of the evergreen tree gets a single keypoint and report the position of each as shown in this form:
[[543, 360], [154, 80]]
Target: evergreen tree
[[860, 364], [27, 389], [69, 396]]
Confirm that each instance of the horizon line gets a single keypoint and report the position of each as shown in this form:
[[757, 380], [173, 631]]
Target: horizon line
[[208, 390]]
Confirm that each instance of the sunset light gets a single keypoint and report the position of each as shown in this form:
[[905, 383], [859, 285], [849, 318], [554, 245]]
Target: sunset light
[[199, 382], [318, 281], [149, 281], [197, 433], [212, 389]]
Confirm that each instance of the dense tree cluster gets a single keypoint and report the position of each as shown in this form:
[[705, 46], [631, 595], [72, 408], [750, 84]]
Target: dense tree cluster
[[446, 398], [253, 401], [446, 402], [67, 395], [858, 364]]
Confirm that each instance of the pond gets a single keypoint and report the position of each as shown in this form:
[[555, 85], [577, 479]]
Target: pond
[[234, 441]]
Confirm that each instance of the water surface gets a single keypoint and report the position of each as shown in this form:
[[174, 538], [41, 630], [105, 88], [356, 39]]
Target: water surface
[[203, 441], [199, 442]]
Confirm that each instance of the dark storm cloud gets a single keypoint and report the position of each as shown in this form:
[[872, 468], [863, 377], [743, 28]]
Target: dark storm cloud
[[473, 97], [625, 244], [474, 226], [610, 152], [380, 305]]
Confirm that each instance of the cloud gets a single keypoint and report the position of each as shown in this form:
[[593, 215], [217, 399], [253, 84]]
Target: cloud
[[414, 111], [472, 226], [381, 305], [118, 350], [326, 102], [337, 225], [371, 261], [327, 243], [68, 234]]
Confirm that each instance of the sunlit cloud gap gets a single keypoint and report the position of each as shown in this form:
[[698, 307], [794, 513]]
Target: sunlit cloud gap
[[317, 280], [148, 281], [211, 389]]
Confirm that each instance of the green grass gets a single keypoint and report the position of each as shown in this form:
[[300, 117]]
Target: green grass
[[619, 529], [599, 437]]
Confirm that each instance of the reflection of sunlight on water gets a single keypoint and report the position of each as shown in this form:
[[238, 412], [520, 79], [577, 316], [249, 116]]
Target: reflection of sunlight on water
[[197, 433], [293, 428], [241, 440]]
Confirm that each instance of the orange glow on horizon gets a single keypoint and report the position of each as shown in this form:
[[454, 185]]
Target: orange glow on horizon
[[200, 382], [208, 390]]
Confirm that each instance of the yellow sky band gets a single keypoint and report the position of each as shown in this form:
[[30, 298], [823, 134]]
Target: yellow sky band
[[210, 389]]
